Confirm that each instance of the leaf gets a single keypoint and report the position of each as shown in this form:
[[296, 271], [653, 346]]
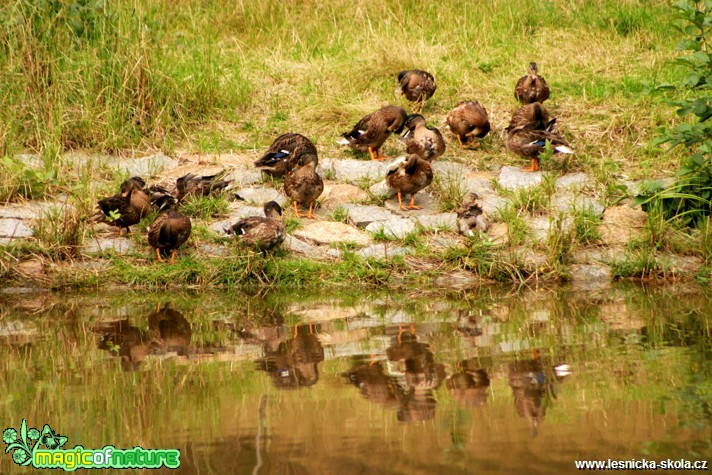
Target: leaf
[[23, 431]]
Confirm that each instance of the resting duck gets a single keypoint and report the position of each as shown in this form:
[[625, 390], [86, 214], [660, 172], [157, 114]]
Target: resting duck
[[304, 185], [471, 218], [371, 132], [417, 86], [192, 184], [530, 143], [128, 207], [532, 116], [468, 120], [281, 156], [170, 230], [133, 182], [426, 142], [532, 87], [411, 176], [264, 233]]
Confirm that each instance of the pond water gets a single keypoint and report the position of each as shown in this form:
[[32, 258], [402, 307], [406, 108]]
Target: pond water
[[409, 382]]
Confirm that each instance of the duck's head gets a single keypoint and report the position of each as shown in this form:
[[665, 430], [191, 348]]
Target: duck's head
[[272, 210], [533, 70]]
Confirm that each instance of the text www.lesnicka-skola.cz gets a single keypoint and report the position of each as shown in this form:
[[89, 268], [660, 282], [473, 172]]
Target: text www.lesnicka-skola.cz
[[642, 464]]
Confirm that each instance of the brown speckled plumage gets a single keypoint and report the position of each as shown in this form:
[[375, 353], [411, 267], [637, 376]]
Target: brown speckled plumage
[[304, 185], [531, 117], [264, 233], [131, 206], [371, 132], [471, 218], [411, 176], [426, 142], [468, 120], [532, 87], [170, 230], [417, 86], [281, 157], [192, 184]]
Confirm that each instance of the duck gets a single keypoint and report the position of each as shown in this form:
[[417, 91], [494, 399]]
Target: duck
[[471, 218], [371, 132], [133, 182], [123, 209], [304, 185], [530, 143], [170, 230], [532, 87], [426, 142], [532, 116], [417, 86], [265, 233], [412, 175], [468, 120], [192, 184], [281, 156]]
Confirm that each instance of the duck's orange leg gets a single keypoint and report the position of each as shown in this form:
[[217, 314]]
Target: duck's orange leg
[[158, 255], [370, 153], [412, 202], [173, 256], [533, 167], [400, 202], [310, 215], [296, 210]]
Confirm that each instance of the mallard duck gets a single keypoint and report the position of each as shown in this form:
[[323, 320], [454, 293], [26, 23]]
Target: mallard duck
[[532, 87], [530, 143], [265, 232], [304, 185], [128, 208], [417, 86], [471, 218], [372, 131], [532, 116], [468, 120], [199, 185], [411, 176], [170, 230], [281, 156], [170, 331], [133, 182], [426, 142]]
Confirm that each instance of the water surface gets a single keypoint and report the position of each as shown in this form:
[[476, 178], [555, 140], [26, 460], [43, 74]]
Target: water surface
[[380, 382]]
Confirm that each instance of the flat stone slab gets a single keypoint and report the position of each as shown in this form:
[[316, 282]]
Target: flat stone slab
[[513, 178], [244, 177], [481, 186], [578, 180], [381, 189], [422, 198], [121, 245], [330, 232], [569, 203], [492, 204], [12, 228], [438, 221], [383, 251], [339, 194], [150, 165], [450, 169], [397, 228], [261, 195], [299, 246], [591, 276], [541, 226], [214, 250], [363, 215], [352, 171], [621, 224]]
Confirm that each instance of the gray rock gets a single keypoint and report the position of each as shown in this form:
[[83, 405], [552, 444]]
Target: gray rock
[[383, 251], [29, 210], [450, 169], [591, 276], [460, 280], [244, 177], [492, 204], [261, 195], [352, 171], [120, 245], [513, 178], [430, 205], [12, 228], [481, 186], [330, 232], [437, 221], [363, 215], [578, 180], [214, 250], [397, 227], [381, 189], [569, 203], [541, 226], [299, 246], [150, 165]]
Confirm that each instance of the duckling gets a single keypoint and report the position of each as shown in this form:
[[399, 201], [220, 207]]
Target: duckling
[[417, 86], [199, 185], [304, 185], [411, 176], [530, 143], [468, 120], [426, 142], [371, 132], [281, 156], [532, 87], [471, 218], [170, 230], [129, 207], [264, 233], [532, 116]]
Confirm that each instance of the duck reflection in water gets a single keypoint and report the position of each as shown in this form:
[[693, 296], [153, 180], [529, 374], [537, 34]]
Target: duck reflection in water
[[168, 332], [405, 381], [293, 363], [533, 386], [470, 385]]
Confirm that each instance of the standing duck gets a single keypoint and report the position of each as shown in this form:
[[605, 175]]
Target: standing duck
[[124, 209], [371, 132], [281, 156], [417, 86], [170, 230], [532, 116], [265, 233], [411, 176], [304, 185], [426, 142], [532, 87], [468, 120], [192, 184], [530, 143]]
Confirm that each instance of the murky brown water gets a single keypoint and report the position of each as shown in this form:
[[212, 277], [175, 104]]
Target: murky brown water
[[494, 382]]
